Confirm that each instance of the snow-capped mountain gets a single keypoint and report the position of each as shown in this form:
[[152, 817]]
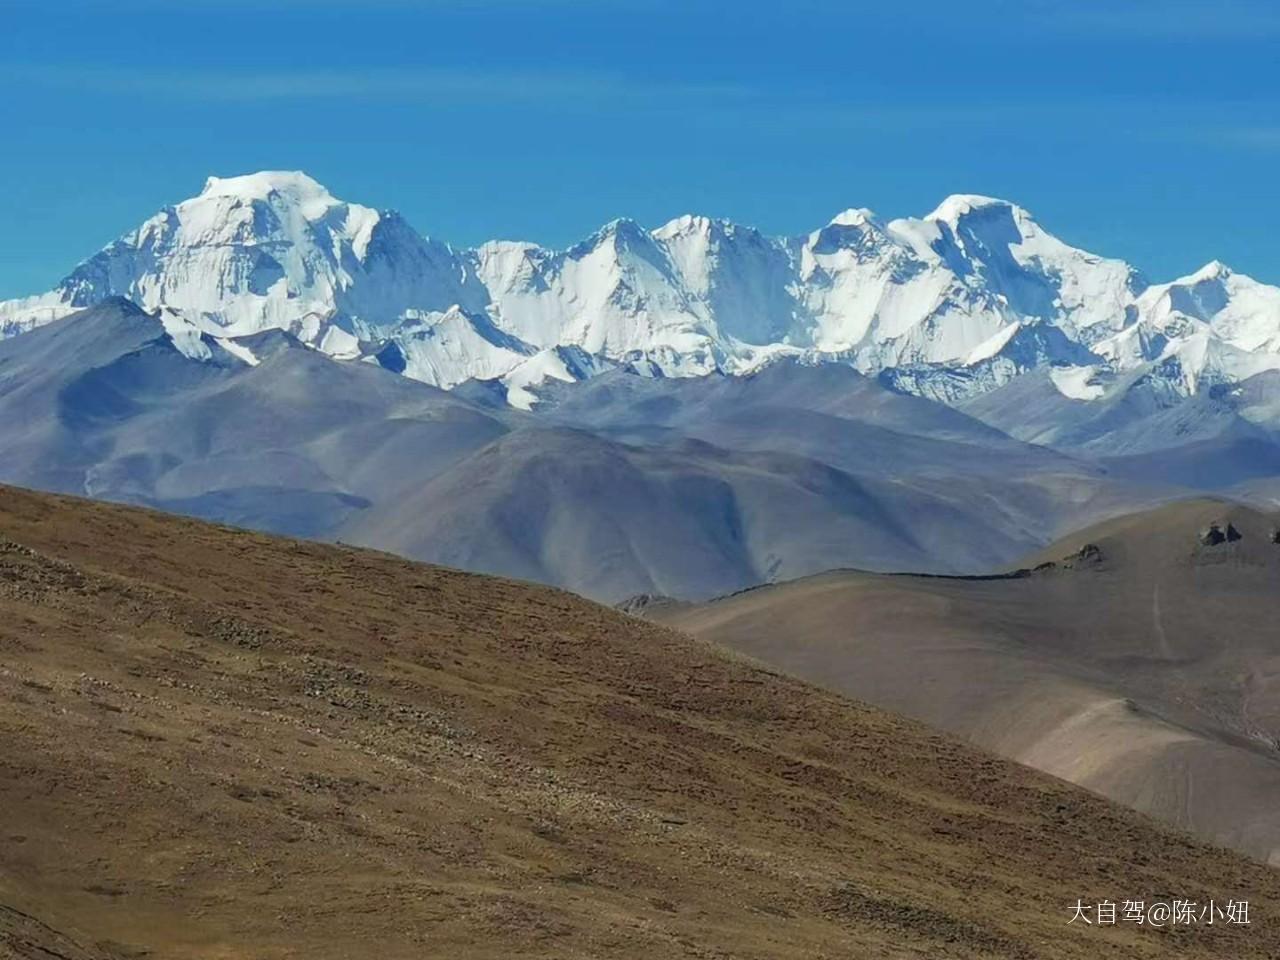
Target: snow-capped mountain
[[1214, 326], [270, 250], [947, 306]]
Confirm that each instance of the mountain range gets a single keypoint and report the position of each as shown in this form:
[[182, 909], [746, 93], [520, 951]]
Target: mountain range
[[615, 486], [947, 306], [685, 412], [951, 465]]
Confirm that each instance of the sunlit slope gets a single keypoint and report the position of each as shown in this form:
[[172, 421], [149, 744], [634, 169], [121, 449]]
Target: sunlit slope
[[1139, 658], [219, 744]]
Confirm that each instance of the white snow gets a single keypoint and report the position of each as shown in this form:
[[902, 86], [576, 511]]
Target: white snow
[[1077, 383], [444, 349], [238, 350], [187, 337], [952, 289], [557, 363], [19, 316], [993, 345], [339, 344], [310, 198], [959, 205]]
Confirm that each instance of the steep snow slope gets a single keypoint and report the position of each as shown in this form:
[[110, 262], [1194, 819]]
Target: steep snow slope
[[1214, 326], [268, 250]]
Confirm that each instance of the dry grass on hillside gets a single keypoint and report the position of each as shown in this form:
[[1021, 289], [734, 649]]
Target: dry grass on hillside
[[218, 744]]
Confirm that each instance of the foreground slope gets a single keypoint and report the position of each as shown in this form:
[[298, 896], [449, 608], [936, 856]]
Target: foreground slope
[[214, 743], [1144, 665]]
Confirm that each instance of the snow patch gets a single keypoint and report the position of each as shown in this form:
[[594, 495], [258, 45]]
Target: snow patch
[[554, 364], [993, 345], [239, 351], [186, 336], [339, 344], [1077, 383]]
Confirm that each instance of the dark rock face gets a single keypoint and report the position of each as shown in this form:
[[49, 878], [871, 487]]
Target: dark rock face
[[1216, 535], [643, 604], [1088, 554]]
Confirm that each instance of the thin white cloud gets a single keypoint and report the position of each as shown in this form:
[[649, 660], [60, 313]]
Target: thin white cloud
[[416, 85], [1154, 20], [802, 113], [1259, 138]]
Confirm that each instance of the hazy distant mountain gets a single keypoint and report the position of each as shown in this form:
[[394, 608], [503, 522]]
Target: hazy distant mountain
[[1139, 428], [615, 486], [689, 410], [107, 403], [947, 306], [686, 518]]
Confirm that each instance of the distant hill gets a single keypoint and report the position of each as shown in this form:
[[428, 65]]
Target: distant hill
[[616, 486]]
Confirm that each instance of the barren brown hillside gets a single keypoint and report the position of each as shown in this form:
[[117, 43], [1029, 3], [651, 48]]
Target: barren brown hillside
[[218, 744], [1139, 658]]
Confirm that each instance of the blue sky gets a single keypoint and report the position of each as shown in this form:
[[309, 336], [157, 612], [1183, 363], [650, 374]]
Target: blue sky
[[1147, 129]]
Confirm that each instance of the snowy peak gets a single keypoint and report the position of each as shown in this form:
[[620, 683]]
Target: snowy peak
[[620, 236], [853, 217], [1212, 326], [688, 225], [959, 206], [947, 305], [988, 228], [1213, 270], [1235, 305], [294, 186], [262, 206], [271, 250]]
